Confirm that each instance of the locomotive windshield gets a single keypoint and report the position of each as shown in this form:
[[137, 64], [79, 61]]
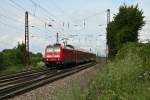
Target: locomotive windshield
[[49, 49], [54, 49]]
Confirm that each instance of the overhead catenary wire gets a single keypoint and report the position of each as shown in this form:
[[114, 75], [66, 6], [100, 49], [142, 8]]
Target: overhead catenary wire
[[11, 26], [62, 11], [37, 17], [33, 2], [11, 18], [44, 20], [23, 9], [43, 10], [46, 11], [4, 10], [51, 16], [17, 5], [91, 16]]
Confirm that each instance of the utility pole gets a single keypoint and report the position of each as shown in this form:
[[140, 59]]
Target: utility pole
[[108, 16], [68, 25], [108, 21], [26, 39], [84, 24], [63, 24], [57, 36]]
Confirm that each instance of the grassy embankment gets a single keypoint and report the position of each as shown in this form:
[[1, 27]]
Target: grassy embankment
[[127, 77]]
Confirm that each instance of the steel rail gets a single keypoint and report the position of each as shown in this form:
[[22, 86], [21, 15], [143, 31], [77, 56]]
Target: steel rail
[[21, 76], [24, 86], [2, 77]]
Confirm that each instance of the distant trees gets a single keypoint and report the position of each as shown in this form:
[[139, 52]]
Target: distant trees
[[15, 56], [124, 28], [12, 57], [35, 58]]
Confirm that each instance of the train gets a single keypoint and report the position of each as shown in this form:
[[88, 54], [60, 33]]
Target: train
[[60, 56]]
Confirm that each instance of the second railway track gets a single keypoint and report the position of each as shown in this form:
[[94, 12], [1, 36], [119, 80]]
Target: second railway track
[[21, 74], [13, 85]]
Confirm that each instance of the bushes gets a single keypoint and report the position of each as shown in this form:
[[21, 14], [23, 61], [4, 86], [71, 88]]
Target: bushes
[[125, 78], [1, 61], [35, 59], [13, 59]]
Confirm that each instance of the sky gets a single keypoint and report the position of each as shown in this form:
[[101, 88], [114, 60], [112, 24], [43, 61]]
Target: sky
[[81, 22]]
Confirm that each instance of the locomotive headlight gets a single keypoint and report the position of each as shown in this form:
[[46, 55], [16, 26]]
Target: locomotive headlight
[[57, 56], [48, 56]]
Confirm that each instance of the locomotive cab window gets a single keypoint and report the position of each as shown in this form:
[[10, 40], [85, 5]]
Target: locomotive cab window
[[56, 49], [49, 49]]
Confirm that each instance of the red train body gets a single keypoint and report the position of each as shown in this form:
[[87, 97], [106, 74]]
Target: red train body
[[59, 55]]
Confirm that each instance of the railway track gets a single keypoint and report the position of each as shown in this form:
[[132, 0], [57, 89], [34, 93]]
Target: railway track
[[11, 86], [2, 77]]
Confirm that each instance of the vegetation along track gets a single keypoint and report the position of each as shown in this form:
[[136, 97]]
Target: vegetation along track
[[14, 86]]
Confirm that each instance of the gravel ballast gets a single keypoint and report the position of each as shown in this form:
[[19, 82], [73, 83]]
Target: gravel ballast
[[51, 90]]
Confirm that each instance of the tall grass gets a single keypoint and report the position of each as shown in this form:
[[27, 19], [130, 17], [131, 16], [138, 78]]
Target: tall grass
[[12, 69], [73, 92], [125, 78]]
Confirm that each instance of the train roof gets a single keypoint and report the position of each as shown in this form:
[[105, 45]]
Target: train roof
[[57, 44], [53, 45], [68, 47]]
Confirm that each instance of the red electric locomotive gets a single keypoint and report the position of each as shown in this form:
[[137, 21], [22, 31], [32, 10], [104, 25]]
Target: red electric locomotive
[[58, 55]]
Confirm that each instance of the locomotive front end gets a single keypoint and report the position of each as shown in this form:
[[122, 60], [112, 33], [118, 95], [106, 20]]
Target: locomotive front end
[[53, 55]]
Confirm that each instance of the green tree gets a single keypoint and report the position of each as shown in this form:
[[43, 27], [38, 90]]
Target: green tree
[[124, 28], [9, 58], [1, 60], [12, 57], [20, 53], [39, 55]]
